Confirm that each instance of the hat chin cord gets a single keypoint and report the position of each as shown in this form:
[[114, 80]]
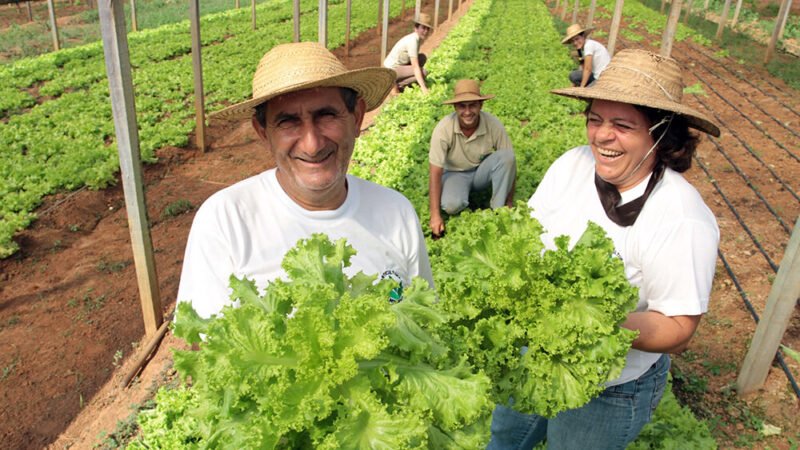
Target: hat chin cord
[[668, 120]]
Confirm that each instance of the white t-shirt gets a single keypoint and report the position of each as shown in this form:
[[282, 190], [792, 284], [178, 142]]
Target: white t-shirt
[[247, 228], [600, 56], [402, 52], [670, 252]]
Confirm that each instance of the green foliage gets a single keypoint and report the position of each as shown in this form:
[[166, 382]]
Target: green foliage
[[695, 89], [177, 208], [564, 306], [321, 360]]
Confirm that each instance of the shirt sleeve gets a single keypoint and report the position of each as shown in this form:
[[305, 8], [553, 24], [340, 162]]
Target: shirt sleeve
[[207, 267], [440, 144], [678, 267]]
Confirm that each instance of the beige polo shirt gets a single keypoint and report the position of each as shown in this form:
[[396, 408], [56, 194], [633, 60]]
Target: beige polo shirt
[[402, 52], [453, 151]]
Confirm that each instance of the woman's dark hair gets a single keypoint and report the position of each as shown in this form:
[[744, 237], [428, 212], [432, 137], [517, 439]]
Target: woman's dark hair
[[676, 148], [349, 96]]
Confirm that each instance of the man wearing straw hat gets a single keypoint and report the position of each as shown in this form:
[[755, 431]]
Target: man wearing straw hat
[[307, 108], [470, 151], [628, 181], [593, 55], [405, 58]]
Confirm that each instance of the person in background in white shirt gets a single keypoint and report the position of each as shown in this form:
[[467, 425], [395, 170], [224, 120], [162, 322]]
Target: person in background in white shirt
[[405, 58], [307, 108], [593, 55], [628, 181]]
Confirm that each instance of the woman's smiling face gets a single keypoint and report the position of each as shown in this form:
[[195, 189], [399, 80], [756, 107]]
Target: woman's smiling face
[[620, 138]]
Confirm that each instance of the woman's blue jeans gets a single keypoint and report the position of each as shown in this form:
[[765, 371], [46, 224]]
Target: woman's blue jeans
[[610, 421]]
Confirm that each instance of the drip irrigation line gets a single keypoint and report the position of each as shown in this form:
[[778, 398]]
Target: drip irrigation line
[[789, 152], [736, 214], [756, 319], [751, 186], [747, 80], [790, 130], [751, 151]]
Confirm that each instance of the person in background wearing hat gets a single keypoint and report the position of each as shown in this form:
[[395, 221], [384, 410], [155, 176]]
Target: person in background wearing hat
[[593, 55], [405, 58], [470, 151], [307, 109], [628, 180]]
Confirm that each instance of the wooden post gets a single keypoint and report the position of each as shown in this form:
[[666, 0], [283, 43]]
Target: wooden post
[[118, 69], [323, 22], [590, 17], [197, 69], [30, 11], [134, 22], [435, 14], [614, 31], [564, 7], [51, 10], [417, 8], [297, 20], [348, 13], [705, 5], [722, 19], [776, 32], [785, 19], [403, 10], [672, 26], [385, 33], [736, 13], [449, 10], [663, 6], [236, 4], [575, 11], [253, 13], [770, 329], [689, 11]]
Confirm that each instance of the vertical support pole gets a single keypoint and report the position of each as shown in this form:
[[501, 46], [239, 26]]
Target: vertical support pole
[[590, 17], [348, 13], [403, 10], [736, 13], [323, 22], [785, 18], [134, 22], [614, 31], [783, 14], [435, 14], [663, 6], [449, 9], [51, 10], [385, 32], [297, 20], [197, 68], [253, 13], [564, 8], [118, 69], [723, 19], [772, 326], [688, 11], [672, 26], [236, 4], [575, 11], [30, 11], [417, 8]]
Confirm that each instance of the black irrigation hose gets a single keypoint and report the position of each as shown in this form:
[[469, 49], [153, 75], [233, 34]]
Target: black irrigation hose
[[754, 314], [713, 181], [750, 150], [752, 186], [747, 80], [797, 158], [756, 105]]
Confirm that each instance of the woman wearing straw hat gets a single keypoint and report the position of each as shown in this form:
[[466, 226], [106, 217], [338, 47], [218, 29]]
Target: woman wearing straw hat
[[307, 109], [628, 180], [470, 151], [405, 58], [593, 55]]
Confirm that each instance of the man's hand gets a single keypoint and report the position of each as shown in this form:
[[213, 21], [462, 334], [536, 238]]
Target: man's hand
[[437, 225]]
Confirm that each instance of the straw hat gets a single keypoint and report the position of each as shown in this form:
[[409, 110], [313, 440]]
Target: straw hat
[[424, 19], [466, 91], [639, 77], [574, 30], [305, 65]]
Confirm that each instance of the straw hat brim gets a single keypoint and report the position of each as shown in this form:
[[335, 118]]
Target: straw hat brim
[[694, 118], [575, 33], [466, 98], [372, 84], [424, 24]]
